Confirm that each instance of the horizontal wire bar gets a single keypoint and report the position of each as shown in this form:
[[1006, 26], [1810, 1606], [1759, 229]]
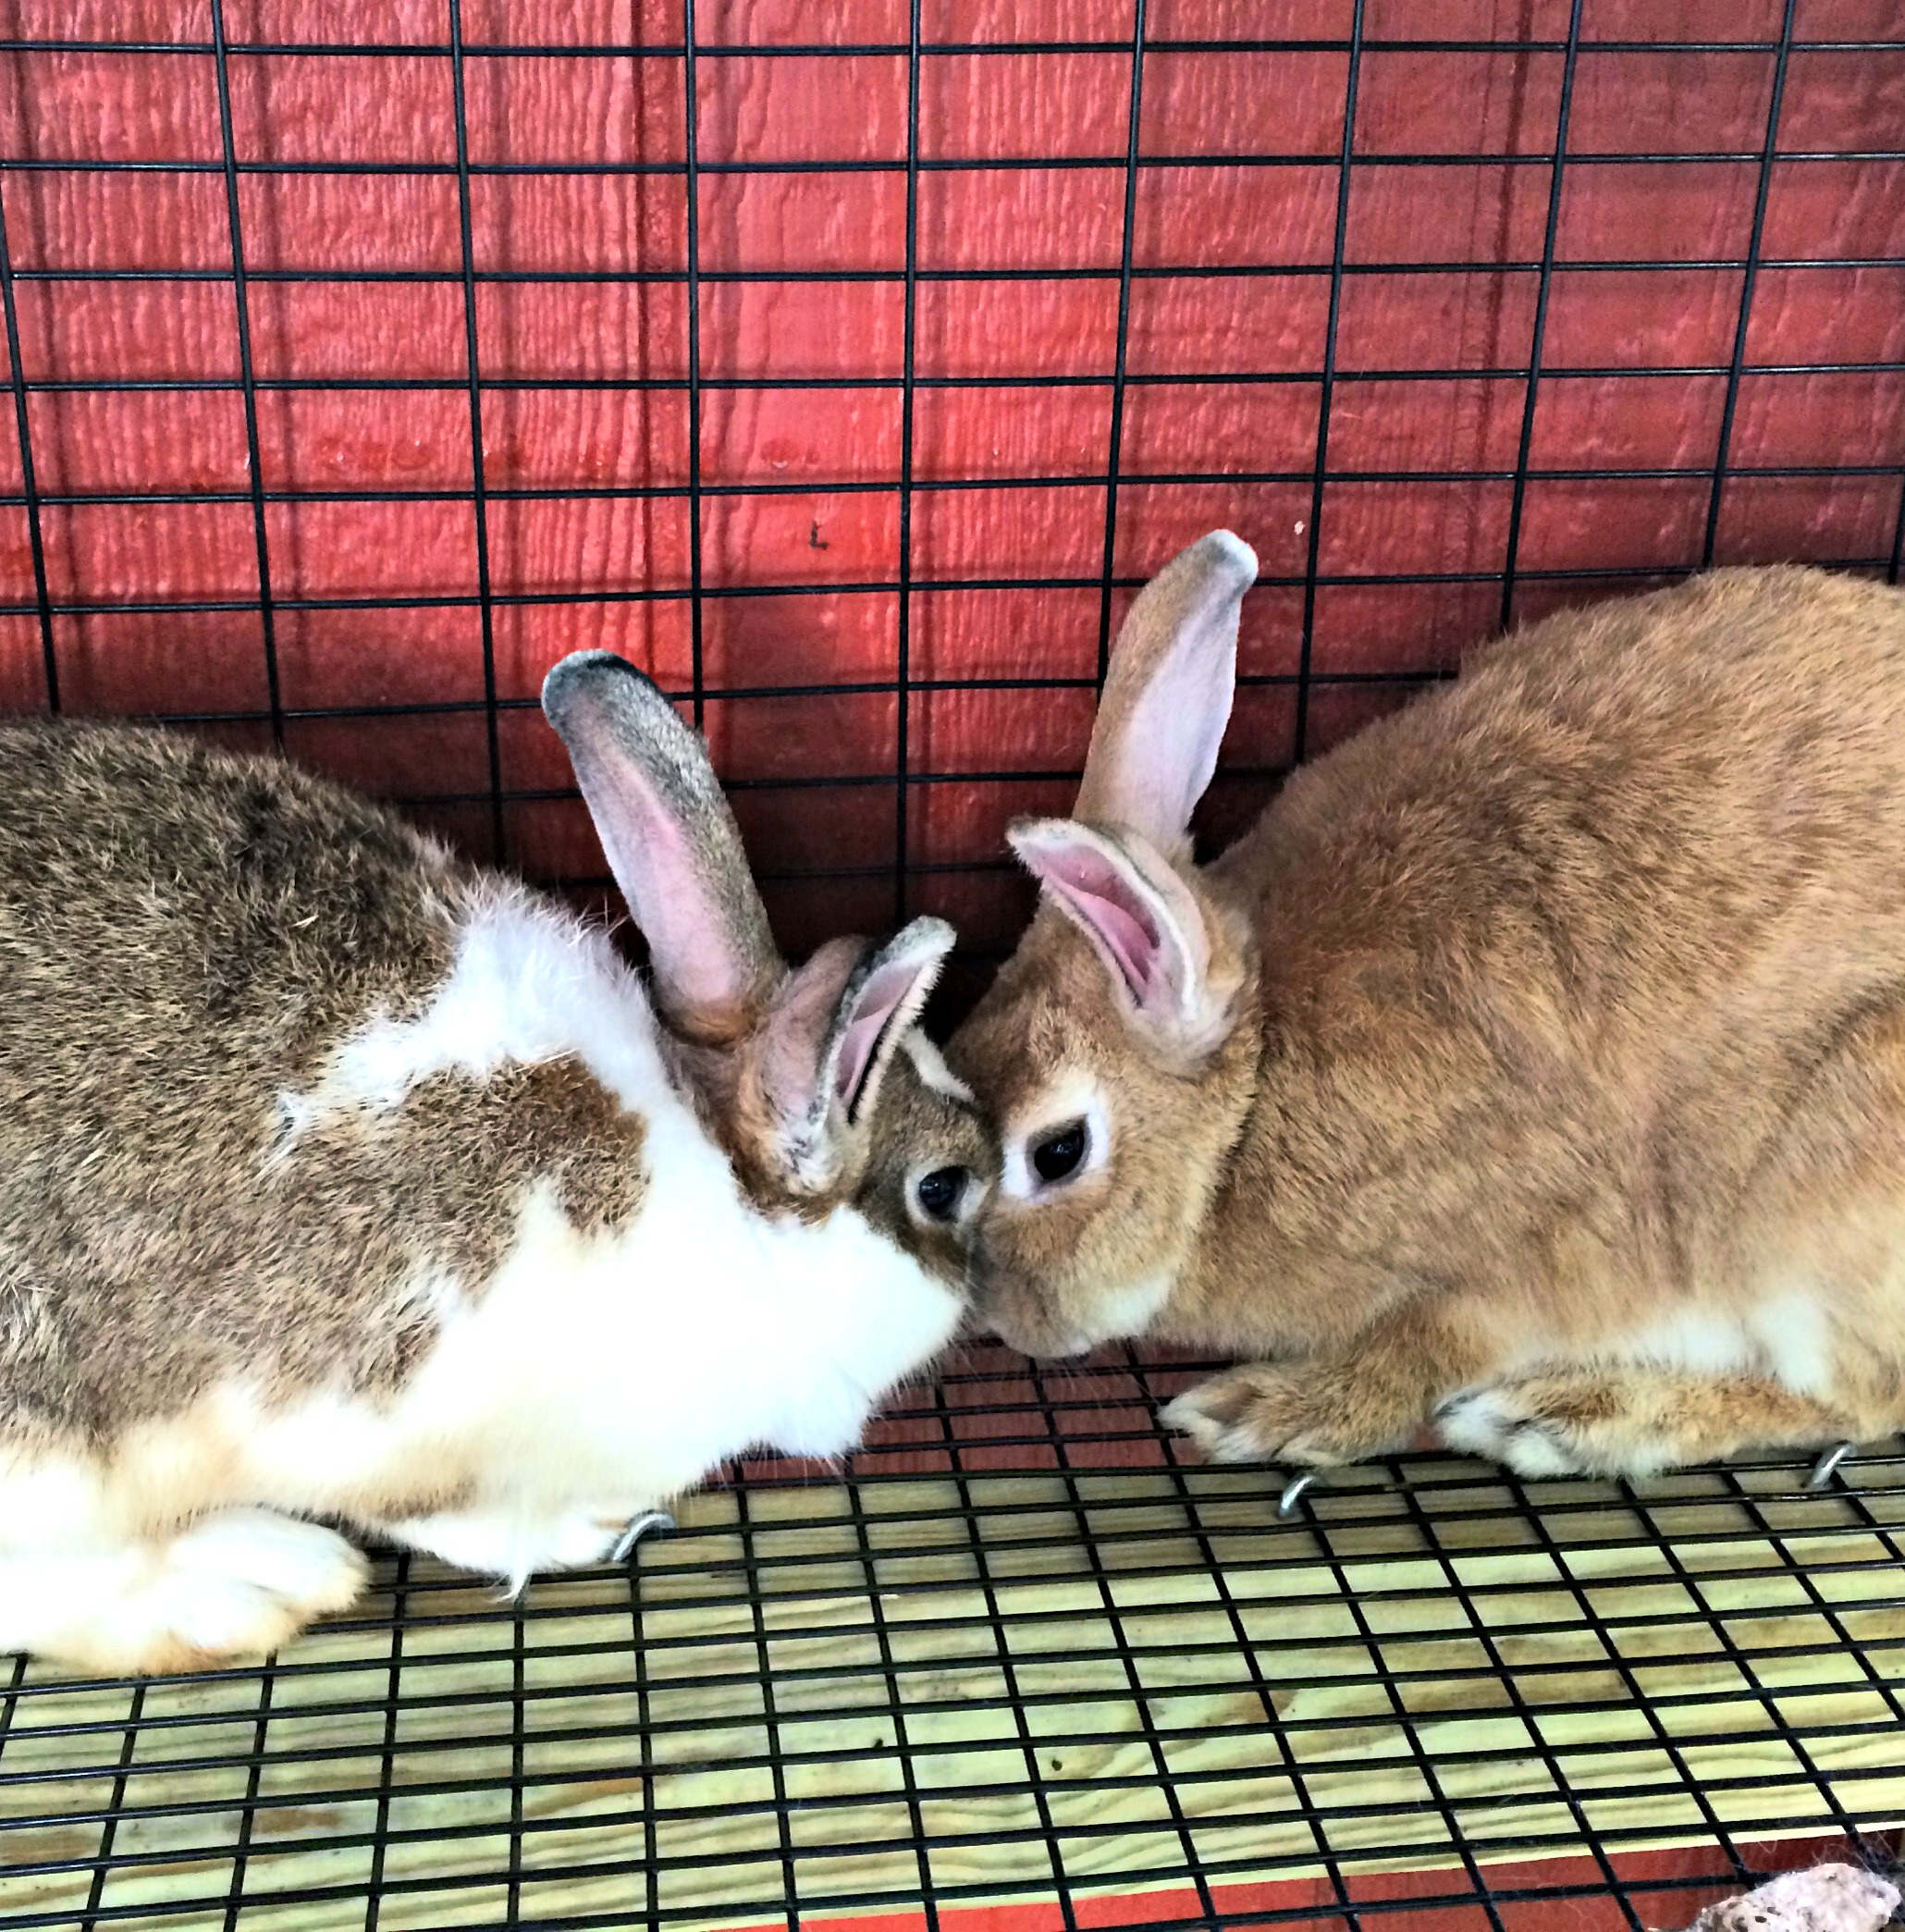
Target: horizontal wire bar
[[382, 168], [792, 277], [665, 49], [1582, 574], [454, 384]]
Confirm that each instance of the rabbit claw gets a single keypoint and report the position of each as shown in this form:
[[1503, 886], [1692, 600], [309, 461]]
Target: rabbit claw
[[648, 1523]]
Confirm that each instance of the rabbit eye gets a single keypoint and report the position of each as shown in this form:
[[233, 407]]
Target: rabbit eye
[[1058, 1155], [938, 1193]]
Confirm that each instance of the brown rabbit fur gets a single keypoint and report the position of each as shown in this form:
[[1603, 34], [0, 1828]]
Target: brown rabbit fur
[[289, 909], [1536, 1064]]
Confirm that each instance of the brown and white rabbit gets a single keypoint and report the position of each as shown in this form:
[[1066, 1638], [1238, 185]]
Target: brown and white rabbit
[[340, 1179], [1535, 1064]]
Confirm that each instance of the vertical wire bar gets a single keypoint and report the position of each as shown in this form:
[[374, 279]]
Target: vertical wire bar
[[36, 543], [1768, 149], [1114, 457], [1134, 1678], [770, 1722], [247, 1810], [1382, 1675], [1530, 1718], [1511, 555], [1299, 1782], [479, 499], [969, 1518], [10, 1701], [1743, 1663], [135, 1712], [645, 1743], [1888, 1536], [1592, 1620], [387, 1759], [903, 663], [1898, 532], [268, 619], [896, 1711], [692, 154], [519, 1637], [1314, 550]]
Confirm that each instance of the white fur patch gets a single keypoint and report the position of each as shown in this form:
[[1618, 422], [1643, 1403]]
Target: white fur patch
[[1488, 1421], [596, 1375], [237, 1582], [1785, 1337], [1700, 1341], [1795, 1340], [1129, 1310], [528, 984]]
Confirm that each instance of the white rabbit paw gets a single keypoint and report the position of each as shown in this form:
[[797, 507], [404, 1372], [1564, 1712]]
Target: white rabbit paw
[[498, 1543], [238, 1583]]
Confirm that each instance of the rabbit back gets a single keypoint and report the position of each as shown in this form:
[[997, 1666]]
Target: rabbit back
[[1563, 964], [186, 941]]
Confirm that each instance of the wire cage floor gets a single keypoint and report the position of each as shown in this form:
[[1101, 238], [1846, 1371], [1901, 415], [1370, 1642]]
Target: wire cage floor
[[1021, 1667]]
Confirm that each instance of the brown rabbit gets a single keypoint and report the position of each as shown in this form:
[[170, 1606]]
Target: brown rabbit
[[1536, 1064]]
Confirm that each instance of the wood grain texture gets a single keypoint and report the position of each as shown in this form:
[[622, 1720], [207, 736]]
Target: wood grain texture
[[1016, 1666], [349, 214]]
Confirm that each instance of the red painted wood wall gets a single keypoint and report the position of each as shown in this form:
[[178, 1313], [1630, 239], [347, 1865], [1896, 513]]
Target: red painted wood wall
[[1663, 429]]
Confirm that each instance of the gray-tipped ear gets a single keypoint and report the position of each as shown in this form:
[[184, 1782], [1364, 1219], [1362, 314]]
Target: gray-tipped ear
[[671, 842], [834, 1033], [882, 998], [1168, 694]]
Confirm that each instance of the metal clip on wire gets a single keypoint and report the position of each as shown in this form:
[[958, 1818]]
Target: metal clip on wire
[[1293, 1491], [1829, 1465], [641, 1526]]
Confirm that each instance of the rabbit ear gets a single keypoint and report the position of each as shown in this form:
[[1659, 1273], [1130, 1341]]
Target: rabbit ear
[[1168, 694], [1141, 918], [670, 841], [832, 1034]]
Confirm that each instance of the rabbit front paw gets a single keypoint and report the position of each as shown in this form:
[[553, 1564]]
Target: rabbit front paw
[[237, 1583], [1263, 1414]]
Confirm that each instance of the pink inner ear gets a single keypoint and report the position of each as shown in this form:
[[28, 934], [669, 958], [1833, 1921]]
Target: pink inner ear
[[1100, 897], [874, 1007], [689, 940], [703, 965]]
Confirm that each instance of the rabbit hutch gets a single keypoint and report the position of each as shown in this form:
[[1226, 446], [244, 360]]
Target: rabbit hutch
[[847, 364]]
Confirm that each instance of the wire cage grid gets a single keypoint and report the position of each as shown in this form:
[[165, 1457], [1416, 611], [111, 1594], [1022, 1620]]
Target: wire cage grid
[[1025, 1666], [849, 366]]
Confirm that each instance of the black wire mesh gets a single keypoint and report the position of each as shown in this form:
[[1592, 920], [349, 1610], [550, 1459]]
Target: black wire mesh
[[485, 797], [1020, 1658], [1116, 1688]]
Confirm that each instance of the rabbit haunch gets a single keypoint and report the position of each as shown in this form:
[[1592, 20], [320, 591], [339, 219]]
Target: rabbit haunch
[[339, 1178], [1536, 1063]]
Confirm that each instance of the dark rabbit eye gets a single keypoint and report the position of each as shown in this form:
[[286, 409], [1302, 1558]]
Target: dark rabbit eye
[[938, 1192], [1059, 1154]]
